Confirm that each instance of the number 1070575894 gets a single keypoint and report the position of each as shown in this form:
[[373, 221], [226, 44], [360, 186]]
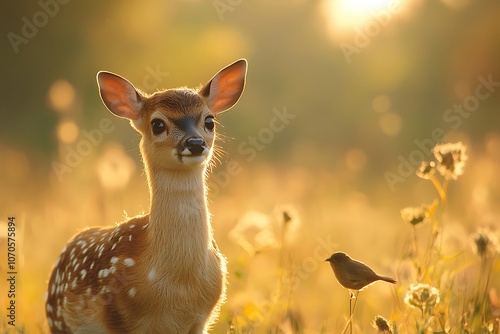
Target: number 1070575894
[[11, 244]]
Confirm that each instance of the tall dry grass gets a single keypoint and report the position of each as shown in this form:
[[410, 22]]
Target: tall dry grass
[[276, 224]]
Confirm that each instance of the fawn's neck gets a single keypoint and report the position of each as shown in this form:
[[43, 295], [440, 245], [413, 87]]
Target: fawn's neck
[[180, 234]]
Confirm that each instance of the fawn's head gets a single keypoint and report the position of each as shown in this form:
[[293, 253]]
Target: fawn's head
[[177, 125]]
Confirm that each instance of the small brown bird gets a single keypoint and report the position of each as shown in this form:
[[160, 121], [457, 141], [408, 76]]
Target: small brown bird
[[352, 274]]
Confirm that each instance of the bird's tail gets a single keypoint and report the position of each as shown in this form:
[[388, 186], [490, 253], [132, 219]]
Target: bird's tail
[[387, 279]]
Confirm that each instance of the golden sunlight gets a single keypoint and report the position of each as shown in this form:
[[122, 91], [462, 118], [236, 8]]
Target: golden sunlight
[[345, 15]]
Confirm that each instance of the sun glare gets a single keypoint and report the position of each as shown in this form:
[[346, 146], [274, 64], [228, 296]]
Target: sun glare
[[349, 14], [360, 7]]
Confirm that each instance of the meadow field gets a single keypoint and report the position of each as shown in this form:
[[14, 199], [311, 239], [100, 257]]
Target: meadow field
[[276, 225]]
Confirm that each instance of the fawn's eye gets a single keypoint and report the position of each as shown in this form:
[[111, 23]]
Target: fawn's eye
[[209, 123], [158, 126]]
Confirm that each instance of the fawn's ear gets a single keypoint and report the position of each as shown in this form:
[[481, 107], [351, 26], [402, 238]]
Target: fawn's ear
[[119, 95], [225, 88]]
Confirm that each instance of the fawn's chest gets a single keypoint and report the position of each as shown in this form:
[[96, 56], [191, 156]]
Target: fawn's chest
[[179, 301], [185, 281]]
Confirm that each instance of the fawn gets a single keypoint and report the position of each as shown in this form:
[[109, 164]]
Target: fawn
[[161, 272]]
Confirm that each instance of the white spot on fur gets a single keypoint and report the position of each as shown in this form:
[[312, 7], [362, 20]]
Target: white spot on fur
[[101, 249], [88, 291], [112, 270], [152, 274], [50, 322], [114, 245], [130, 237], [129, 262], [114, 260], [83, 273], [145, 226], [49, 308], [131, 292]]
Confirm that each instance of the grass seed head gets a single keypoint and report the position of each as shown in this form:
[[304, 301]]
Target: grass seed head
[[426, 170], [422, 296], [485, 243], [415, 215], [382, 325], [451, 159]]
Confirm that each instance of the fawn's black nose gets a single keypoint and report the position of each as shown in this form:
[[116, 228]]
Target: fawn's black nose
[[195, 145]]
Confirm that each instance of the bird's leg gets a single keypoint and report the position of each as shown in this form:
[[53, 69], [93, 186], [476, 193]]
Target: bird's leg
[[354, 296], [351, 310]]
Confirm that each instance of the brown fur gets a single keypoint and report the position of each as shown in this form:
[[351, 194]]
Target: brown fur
[[162, 272]]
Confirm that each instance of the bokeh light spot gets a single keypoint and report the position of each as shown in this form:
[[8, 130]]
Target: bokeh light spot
[[67, 132], [355, 159], [61, 95], [381, 103], [390, 123], [115, 167]]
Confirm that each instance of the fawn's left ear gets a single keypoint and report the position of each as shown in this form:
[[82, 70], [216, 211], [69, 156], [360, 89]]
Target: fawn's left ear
[[225, 88], [119, 95]]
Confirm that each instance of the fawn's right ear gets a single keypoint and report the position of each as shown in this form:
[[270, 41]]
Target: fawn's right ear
[[119, 95]]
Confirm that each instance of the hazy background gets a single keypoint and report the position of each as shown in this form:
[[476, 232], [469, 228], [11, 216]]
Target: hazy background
[[362, 81]]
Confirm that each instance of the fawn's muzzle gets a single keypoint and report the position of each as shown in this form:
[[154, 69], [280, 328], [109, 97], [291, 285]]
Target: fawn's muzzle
[[195, 145]]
